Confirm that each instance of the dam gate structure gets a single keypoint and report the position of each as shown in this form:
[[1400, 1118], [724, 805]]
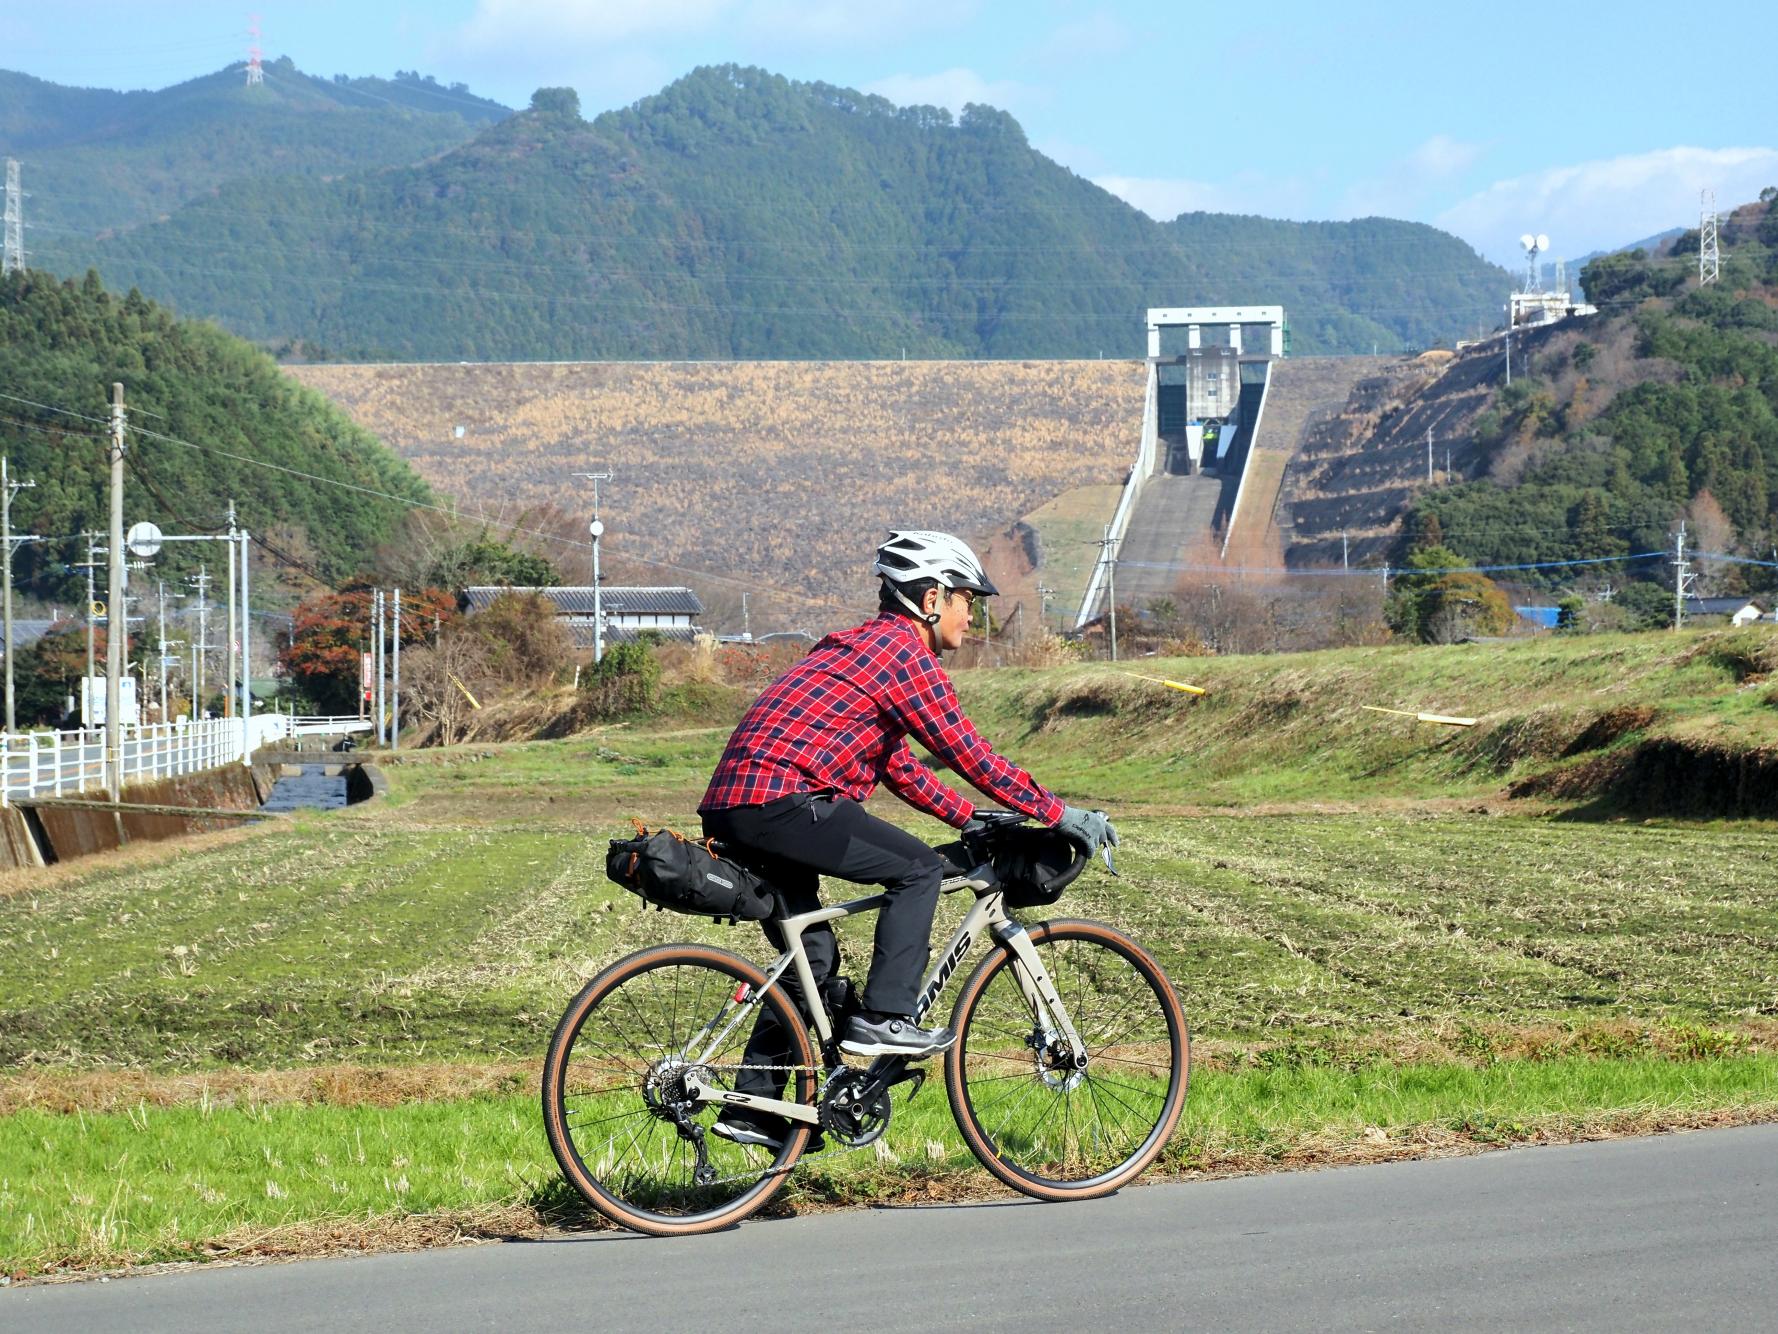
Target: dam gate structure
[[1209, 368]]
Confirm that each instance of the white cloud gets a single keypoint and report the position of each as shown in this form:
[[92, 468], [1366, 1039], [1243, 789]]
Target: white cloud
[[1609, 202], [951, 89], [1402, 190], [1442, 156]]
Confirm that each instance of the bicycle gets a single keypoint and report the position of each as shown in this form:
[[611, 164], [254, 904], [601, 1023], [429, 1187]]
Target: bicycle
[[1067, 1078]]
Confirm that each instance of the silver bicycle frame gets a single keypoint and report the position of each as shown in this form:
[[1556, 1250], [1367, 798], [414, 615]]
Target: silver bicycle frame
[[988, 913]]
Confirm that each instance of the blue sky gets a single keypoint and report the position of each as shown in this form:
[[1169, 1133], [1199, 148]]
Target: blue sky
[[1598, 124]]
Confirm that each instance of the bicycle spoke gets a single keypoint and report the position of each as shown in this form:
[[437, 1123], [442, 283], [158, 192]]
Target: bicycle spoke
[[627, 1122], [1039, 1122]]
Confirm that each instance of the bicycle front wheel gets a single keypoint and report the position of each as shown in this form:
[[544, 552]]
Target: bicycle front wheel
[[624, 1130], [1029, 1113]]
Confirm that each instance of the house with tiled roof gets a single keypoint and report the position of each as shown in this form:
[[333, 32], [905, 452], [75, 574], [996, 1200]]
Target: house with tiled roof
[[667, 611]]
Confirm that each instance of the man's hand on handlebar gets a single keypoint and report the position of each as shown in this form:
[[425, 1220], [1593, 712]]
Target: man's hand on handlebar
[[1093, 830]]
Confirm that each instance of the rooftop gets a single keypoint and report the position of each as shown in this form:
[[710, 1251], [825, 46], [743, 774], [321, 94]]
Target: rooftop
[[618, 600]]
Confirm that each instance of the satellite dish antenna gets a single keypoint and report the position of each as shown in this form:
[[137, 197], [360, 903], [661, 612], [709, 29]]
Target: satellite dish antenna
[[1528, 241], [1543, 242]]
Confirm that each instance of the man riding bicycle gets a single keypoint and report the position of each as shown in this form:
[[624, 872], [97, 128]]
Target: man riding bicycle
[[786, 799]]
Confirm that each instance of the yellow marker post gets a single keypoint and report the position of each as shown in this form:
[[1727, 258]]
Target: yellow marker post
[[474, 703], [1422, 717], [1171, 685]]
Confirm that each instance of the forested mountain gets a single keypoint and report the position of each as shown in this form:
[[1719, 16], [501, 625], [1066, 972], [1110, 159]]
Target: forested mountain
[[63, 344], [739, 214], [95, 158], [1348, 286], [1662, 407]]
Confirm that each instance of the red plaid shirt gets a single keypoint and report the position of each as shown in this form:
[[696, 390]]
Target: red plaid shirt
[[838, 722]]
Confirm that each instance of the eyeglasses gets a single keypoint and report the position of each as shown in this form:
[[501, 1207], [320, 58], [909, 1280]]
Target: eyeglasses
[[967, 594]]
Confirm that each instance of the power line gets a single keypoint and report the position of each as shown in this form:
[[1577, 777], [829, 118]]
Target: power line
[[1371, 573], [457, 514]]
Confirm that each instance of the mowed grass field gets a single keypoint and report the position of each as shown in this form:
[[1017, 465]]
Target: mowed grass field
[[327, 1031]]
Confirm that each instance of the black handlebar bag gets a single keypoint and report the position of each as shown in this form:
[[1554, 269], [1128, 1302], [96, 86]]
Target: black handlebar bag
[[1033, 865]]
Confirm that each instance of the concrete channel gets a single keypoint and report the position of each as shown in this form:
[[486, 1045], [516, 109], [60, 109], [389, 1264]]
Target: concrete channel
[[38, 831]]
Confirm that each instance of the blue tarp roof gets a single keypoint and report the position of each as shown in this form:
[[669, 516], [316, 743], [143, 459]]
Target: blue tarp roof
[[1544, 616]]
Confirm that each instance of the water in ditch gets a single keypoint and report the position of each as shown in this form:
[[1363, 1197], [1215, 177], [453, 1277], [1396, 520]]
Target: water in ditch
[[313, 789]]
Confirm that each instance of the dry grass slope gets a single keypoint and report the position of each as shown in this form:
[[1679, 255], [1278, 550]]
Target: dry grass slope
[[736, 468]]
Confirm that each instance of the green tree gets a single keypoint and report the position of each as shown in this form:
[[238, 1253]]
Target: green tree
[[1437, 601], [485, 559], [627, 679]]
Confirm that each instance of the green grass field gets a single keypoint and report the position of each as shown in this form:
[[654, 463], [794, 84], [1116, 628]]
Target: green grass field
[[328, 1029]]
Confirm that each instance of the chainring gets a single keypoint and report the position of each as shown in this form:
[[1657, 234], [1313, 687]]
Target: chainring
[[855, 1108]]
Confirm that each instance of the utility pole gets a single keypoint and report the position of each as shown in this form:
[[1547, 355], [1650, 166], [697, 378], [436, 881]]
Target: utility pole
[[228, 695], [246, 649], [1108, 546], [199, 649], [116, 621], [161, 590], [1429, 456], [395, 712], [1681, 576], [8, 489], [13, 258], [376, 660], [597, 529], [1345, 553], [746, 620], [1509, 344], [1044, 594], [92, 594]]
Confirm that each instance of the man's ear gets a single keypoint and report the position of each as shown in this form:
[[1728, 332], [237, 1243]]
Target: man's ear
[[930, 602]]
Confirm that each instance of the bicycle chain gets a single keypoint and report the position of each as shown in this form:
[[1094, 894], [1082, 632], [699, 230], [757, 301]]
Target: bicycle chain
[[801, 1158]]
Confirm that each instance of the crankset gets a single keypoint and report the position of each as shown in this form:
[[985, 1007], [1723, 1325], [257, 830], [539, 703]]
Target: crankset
[[855, 1108]]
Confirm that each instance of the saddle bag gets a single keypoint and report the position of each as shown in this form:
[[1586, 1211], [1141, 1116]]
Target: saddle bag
[[679, 874]]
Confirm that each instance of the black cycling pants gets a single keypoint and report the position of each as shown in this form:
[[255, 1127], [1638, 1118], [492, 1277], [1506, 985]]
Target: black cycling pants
[[795, 840]]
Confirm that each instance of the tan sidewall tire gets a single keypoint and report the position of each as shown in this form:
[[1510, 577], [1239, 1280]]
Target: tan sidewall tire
[[560, 1143], [1068, 927]]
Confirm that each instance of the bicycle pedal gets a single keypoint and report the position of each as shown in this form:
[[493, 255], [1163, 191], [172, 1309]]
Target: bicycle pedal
[[915, 1077]]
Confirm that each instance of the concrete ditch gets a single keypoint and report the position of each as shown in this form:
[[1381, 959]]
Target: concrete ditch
[[44, 831]]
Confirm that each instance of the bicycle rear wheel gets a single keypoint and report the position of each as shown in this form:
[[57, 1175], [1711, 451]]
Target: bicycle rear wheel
[[615, 1106], [1032, 1118]]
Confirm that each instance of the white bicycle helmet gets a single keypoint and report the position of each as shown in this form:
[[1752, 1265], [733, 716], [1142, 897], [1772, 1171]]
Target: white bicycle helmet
[[911, 555]]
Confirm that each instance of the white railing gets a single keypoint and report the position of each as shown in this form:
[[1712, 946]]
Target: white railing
[[330, 725], [1126, 503], [55, 764], [1253, 438]]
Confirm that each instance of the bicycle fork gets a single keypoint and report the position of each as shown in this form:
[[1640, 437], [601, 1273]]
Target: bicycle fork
[[1053, 1038]]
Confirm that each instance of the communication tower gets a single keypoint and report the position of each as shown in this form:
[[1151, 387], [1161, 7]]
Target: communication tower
[[255, 75], [14, 254], [1709, 252], [1534, 246]]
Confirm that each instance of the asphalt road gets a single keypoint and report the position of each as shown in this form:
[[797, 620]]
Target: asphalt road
[[1664, 1233]]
